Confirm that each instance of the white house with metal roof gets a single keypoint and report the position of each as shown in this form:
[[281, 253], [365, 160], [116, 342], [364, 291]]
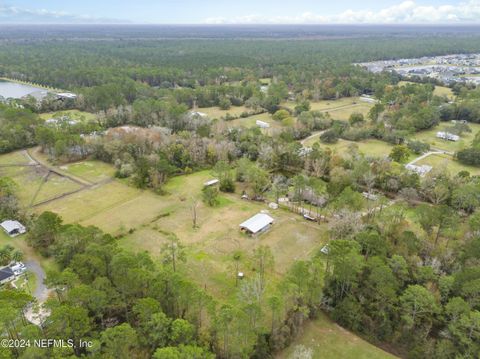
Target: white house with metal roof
[[448, 136], [13, 228], [257, 224]]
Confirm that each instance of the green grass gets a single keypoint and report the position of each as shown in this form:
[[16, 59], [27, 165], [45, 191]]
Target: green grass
[[438, 91], [251, 121], [216, 112], [429, 136], [73, 114], [93, 171], [18, 157], [31, 180], [447, 162], [146, 219], [371, 147], [328, 340], [340, 109]]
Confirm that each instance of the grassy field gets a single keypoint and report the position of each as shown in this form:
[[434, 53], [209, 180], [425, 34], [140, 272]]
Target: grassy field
[[438, 91], [371, 147], [429, 136], [328, 340], [251, 121], [92, 171], [146, 219], [340, 109], [216, 112], [73, 114], [447, 162]]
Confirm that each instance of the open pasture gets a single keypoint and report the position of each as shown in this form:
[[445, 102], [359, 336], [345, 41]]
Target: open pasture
[[429, 136], [328, 340], [217, 113], [35, 183], [443, 161]]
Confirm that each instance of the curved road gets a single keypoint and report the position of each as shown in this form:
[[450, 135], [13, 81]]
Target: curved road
[[41, 291]]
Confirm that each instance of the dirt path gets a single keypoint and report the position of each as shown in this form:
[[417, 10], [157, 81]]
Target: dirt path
[[33, 156], [429, 153], [316, 133]]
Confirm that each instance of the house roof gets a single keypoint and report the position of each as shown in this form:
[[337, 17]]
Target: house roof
[[10, 226], [6, 273], [257, 222]]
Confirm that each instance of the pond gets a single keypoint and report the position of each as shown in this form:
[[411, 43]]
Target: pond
[[10, 89]]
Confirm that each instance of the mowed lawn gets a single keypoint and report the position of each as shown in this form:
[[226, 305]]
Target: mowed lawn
[[33, 183], [92, 171], [430, 137], [340, 109], [328, 340], [449, 163]]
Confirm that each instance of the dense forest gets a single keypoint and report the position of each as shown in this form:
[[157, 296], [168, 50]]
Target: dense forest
[[405, 274]]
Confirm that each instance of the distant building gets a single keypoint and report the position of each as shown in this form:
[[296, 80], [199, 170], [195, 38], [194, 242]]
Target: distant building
[[6, 275], [197, 114], [66, 96], [13, 228], [262, 124], [211, 182], [420, 170], [448, 136], [257, 224], [369, 99]]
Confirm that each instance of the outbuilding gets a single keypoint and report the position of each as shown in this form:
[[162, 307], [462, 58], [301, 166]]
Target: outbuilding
[[13, 228], [6, 275], [257, 224], [262, 124], [211, 182], [448, 136]]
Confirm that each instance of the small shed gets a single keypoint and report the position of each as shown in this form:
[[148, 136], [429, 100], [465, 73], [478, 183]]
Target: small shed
[[262, 124], [273, 205], [257, 224], [6, 275], [13, 228], [211, 182]]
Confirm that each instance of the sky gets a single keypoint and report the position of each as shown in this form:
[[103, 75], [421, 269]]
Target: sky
[[240, 12]]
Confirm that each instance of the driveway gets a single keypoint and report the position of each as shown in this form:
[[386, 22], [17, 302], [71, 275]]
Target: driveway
[[41, 290]]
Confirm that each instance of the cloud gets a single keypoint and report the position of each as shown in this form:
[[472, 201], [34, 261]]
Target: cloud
[[16, 15], [406, 12]]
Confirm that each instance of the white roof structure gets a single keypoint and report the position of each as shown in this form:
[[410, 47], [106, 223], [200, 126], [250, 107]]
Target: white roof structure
[[420, 170], [257, 223], [262, 124], [67, 95], [211, 182], [13, 228], [197, 113], [448, 136]]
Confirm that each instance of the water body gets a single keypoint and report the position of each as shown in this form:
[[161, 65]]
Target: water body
[[10, 89]]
